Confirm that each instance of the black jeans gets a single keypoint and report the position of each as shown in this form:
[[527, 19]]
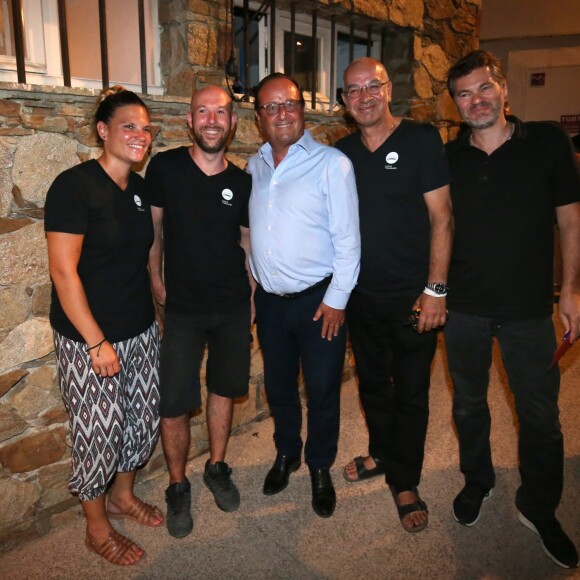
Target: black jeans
[[527, 347], [396, 414], [288, 336]]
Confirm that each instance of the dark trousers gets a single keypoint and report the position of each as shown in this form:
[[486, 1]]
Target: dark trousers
[[396, 412], [288, 336], [527, 347]]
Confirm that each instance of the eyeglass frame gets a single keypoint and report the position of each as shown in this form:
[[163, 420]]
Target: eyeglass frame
[[293, 102], [374, 83]]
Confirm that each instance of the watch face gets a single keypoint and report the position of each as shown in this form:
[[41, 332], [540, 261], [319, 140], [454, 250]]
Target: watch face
[[439, 288]]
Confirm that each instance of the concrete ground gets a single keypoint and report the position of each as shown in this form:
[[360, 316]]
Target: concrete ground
[[281, 537]]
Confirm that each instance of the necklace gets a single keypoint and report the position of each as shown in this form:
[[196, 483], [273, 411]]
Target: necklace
[[509, 135], [389, 133]]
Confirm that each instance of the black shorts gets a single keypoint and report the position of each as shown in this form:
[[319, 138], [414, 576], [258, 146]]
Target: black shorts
[[185, 336]]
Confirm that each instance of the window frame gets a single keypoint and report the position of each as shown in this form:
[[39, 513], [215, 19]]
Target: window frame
[[49, 70], [303, 25]]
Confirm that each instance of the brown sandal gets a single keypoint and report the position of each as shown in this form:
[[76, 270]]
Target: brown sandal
[[113, 549], [141, 512]]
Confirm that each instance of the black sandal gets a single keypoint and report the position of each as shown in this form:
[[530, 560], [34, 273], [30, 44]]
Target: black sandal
[[409, 508], [362, 472]]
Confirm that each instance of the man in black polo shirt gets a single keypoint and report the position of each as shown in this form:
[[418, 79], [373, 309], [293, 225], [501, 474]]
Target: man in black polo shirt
[[509, 179], [199, 203]]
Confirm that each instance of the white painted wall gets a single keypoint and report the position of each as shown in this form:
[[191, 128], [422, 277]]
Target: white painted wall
[[524, 18], [561, 93]]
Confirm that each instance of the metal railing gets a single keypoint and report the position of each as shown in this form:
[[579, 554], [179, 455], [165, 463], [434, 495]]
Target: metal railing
[[18, 25], [316, 11]]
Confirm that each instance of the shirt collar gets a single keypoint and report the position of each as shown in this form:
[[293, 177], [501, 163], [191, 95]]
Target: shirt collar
[[519, 132], [305, 142]]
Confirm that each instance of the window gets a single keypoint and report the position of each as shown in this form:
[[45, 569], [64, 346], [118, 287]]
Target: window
[[301, 51], [42, 43], [34, 53]]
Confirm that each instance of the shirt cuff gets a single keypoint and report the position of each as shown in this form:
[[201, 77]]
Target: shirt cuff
[[336, 298]]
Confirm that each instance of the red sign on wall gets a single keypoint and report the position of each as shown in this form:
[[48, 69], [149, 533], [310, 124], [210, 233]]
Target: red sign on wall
[[571, 123]]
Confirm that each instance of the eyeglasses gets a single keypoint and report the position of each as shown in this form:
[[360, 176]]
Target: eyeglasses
[[289, 106], [372, 88]]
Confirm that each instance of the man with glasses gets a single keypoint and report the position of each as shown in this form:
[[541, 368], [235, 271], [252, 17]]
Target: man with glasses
[[406, 231], [305, 257]]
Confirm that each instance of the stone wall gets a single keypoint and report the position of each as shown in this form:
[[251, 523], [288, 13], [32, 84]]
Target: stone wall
[[44, 130], [422, 39]]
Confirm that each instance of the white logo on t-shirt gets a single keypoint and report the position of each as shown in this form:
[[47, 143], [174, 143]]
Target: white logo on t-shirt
[[227, 195], [137, 200], [392, 157]]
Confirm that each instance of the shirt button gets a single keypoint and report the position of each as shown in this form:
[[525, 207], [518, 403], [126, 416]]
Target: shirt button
[[269, 228]]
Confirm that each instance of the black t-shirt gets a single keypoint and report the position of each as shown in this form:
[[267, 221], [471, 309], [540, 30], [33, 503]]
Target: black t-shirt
[[202, 214], [503, 205], [394, 221], [118, 234]]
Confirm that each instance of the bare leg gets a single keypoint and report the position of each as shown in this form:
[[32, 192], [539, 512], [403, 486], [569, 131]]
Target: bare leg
[[175, 436], [99, 528], [219, 422], [122, 499]]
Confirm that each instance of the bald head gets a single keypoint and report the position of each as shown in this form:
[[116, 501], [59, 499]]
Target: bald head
[[211, 93], [366, 64]]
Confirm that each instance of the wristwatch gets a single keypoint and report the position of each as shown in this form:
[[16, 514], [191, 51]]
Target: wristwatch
[[439, 288]]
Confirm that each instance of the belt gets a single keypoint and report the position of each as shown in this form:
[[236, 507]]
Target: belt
[[324, 282]]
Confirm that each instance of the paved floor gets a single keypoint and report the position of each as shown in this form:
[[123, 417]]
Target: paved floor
[[280, 536]]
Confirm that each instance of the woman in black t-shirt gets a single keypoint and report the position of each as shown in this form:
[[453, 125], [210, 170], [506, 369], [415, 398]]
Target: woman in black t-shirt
[[99, 231]]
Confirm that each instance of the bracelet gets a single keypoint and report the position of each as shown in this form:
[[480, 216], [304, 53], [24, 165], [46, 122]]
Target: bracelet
[[98, 345], [430, 292]]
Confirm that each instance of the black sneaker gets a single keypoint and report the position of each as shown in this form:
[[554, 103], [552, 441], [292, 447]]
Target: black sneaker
[[556, 544], [217, 478], [178, 498], [467, 504]]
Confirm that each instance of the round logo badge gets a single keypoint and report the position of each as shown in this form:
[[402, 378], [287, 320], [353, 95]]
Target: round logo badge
[[137, 200], [392, 157], [227, 194]]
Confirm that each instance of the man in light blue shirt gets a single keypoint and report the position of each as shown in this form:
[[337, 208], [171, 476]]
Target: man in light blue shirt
[[305, 257]]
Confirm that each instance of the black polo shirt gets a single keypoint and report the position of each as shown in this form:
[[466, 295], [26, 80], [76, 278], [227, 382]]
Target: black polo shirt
[[504, 208]]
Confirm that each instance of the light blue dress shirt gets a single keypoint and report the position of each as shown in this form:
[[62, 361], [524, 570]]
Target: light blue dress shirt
[[304, 223]]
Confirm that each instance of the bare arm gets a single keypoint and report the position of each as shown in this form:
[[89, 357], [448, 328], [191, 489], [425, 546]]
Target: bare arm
[[433, 309], [568, 217], [64, 251], [155, 257], [245, 243]]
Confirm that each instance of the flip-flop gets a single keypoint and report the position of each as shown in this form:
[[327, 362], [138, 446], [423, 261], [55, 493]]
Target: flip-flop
[[141, 512], [362, 472], [405, 510]]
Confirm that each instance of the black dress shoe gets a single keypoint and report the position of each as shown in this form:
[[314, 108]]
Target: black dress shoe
[[323, 494], [277, 478]]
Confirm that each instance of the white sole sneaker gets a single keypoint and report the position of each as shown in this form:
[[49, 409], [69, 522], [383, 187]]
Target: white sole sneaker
[[532, 527], [470, 524]]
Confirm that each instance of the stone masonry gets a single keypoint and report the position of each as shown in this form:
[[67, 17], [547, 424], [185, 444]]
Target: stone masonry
[[44, 130]]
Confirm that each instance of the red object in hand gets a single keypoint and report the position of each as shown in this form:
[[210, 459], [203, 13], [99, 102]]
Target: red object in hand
[[562, 349]]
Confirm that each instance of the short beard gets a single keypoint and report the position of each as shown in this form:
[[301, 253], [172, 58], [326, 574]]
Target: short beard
[[485, 123], [204, 146]]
